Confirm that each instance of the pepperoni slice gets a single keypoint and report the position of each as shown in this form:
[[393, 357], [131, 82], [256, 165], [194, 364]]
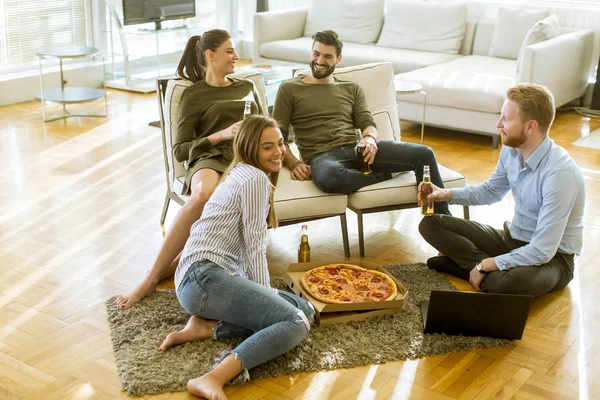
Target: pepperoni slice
[[355, 273], [376, 279], [363, 287], [314, 279], [378, 295], [341, 280], [323, 290], [345, 298], [333, 271]]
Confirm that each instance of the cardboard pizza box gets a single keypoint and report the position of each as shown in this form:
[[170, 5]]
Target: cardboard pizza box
[[326, 313]]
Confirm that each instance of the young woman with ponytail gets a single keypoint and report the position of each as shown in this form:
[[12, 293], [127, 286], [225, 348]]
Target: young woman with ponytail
[[211, 111]]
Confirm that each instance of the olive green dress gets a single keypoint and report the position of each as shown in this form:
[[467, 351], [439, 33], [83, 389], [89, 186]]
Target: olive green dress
[[206, 110]]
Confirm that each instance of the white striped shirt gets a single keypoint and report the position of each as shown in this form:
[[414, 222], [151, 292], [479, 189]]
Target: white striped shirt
[[232, 231]]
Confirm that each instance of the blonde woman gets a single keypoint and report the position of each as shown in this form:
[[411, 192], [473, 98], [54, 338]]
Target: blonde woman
[[222, 279]]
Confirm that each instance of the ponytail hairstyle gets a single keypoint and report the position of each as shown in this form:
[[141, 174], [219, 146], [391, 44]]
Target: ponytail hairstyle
[[245, 149], [192, 65]]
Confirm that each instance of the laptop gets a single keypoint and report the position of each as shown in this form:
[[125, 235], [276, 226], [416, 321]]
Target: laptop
[[476, 314]]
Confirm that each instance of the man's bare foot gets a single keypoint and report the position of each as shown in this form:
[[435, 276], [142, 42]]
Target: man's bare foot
[[196, 329], [207, 388], [142, 290]]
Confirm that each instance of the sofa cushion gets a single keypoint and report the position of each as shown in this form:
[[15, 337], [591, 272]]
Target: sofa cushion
[[357, 21], [512, 24], [476, 83], [435, 27], [542, 30], [302, 199], [401, 189], [298, 50]]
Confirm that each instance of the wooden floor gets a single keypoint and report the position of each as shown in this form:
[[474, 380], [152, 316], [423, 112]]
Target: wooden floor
[[80, 203]]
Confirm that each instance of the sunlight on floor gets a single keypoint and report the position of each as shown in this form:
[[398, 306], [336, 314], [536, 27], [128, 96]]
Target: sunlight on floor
[[575, 290], [404, 383], [321, 385], [366, 393]]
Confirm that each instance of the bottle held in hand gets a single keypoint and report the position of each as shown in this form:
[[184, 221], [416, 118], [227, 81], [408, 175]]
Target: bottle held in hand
[[363, 166], [304, 248], [247, 108], [426, 189]]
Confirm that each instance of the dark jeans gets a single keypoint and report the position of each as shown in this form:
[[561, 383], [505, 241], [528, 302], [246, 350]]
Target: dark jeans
[[468, 242], [336, 171]]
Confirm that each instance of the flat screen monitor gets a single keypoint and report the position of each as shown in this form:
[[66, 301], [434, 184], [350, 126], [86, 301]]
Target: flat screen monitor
[[143, 11]]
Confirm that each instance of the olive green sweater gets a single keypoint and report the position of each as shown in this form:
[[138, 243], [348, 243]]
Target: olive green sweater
[[206, 110], [323, 116]]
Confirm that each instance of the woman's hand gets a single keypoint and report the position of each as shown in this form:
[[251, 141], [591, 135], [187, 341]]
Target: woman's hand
[[229, 133]]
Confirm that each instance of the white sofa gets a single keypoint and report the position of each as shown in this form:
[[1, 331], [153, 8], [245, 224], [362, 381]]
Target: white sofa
[[465, 86], [297, 201]]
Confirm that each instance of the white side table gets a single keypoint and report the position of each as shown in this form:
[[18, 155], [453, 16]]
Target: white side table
[[407, 87], [66, 95]]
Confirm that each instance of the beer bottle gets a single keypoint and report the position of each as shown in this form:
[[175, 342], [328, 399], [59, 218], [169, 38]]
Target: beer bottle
[[363, 167], [247, 108], [426, 189], [304, 248]]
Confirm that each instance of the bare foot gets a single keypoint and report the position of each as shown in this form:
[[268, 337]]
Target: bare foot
[[207, 388], [196, 329], [142, 290]]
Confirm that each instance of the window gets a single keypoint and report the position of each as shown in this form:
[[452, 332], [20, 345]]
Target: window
[[29, 25]]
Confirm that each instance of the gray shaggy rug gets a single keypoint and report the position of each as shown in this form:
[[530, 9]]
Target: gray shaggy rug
[[144, 369]]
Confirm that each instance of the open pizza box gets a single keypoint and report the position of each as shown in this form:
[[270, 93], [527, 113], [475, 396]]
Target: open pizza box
[[326, 313]]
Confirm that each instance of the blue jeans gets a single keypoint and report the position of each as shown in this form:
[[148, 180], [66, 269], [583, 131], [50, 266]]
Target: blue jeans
[[274, 322], [336, 171]]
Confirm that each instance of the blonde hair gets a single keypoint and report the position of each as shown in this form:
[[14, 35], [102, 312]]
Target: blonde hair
[[245, 149], [535, 102]]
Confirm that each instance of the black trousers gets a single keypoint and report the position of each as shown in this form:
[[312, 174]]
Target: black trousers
[[468, 242]]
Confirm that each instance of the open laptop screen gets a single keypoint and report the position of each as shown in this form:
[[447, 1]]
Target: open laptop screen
[[476, 314]]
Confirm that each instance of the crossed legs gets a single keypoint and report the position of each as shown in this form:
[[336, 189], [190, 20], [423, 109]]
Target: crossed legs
[[467, 242]]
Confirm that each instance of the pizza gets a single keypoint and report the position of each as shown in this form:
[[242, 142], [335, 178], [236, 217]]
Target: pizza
[[346, 283]]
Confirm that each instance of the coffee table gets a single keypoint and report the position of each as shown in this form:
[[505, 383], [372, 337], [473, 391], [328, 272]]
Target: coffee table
[[274, 72], [408, 87]]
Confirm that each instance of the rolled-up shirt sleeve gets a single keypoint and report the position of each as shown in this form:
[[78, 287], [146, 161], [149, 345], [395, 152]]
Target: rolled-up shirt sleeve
[[559, 192], [255, 208], [490, 191]]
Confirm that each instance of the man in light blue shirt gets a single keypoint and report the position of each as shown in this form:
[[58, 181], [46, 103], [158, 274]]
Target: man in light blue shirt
[[535, 254]]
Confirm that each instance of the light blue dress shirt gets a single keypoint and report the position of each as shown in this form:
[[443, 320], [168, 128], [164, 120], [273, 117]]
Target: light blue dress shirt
[[549, 193]]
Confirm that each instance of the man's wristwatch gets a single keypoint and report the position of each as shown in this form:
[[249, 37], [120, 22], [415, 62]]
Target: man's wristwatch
[[479, 267]]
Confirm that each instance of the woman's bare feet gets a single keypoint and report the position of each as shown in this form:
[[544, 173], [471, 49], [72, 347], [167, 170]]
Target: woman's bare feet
[[142, 290], [196, 329], [206, 387]]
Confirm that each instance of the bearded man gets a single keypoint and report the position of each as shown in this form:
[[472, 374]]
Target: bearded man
[[324, 112], [535, 253]]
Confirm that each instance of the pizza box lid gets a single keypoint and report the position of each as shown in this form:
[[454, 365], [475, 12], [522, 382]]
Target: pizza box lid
[[296, 271]]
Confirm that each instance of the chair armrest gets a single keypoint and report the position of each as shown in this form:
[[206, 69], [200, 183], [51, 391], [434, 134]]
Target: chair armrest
[[562, 64], [277, 25], [385, 126]]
